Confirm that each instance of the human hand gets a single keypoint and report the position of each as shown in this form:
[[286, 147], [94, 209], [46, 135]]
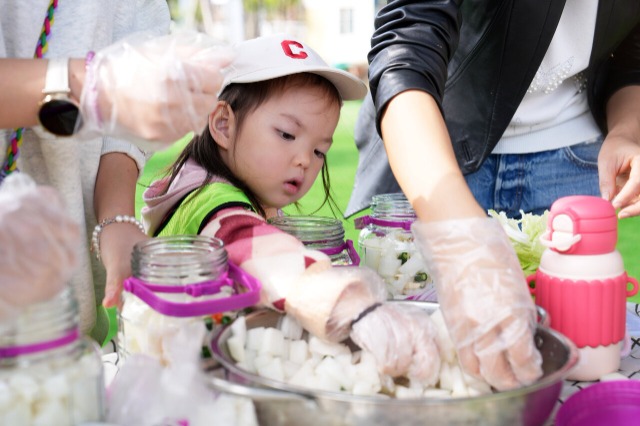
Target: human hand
[[403, 341], [326, 300], [116, 245], [484, 299], [619, 173], [40, 244], [147, 88]]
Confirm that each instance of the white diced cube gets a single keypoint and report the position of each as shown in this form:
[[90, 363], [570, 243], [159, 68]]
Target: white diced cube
[[324, 348], [272, 370], [239, 329], [236, 348], [333, 369], [389, 264], [303, 375], [272, 342], [363, 387], [436, 393], [25, 386], [298, 351], [261, 360], [403, 392], [52, 412], [291, 328], [254, 338], [290, 369]]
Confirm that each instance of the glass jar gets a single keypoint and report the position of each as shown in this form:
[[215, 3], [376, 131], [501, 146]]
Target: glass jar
[[178, 283], [386, 245], [324, 234], [49, 373]]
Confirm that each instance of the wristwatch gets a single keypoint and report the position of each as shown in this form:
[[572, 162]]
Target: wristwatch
[[59, 114]]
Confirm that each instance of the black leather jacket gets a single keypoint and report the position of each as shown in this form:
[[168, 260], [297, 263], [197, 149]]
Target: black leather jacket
[[477, 58]]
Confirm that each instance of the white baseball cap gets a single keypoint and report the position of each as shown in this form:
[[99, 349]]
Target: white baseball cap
[[264, 58]]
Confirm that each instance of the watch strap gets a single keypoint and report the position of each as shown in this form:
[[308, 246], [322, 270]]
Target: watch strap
[[57, 78]]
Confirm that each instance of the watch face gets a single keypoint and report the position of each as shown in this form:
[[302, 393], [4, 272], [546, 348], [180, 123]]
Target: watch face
[[60, 117]]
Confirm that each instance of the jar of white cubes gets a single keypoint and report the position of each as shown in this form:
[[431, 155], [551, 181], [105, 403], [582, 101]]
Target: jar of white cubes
[[324, 234], [49, 373], [178, 282], [386, 245]]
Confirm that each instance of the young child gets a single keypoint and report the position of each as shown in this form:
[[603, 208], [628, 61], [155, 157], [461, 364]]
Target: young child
[[265, 144]]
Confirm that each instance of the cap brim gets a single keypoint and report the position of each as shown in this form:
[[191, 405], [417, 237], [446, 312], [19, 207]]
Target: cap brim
[[349, 86]]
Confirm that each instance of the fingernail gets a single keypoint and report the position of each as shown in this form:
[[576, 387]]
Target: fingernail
[[605, 195]]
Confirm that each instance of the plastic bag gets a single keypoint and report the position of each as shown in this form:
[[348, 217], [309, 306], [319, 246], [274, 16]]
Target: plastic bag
[[40, 244]]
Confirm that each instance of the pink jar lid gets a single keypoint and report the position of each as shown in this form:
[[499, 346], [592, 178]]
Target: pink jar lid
[[587, 224], [606, 403]]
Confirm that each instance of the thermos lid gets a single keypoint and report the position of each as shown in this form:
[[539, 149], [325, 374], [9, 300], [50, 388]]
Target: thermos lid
[[581, 224]]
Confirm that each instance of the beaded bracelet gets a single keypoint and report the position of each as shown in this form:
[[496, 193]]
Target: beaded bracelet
[[121, 218]]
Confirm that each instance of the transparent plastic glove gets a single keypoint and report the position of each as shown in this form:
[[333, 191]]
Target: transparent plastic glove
[[484, 299], [326, 302], [39, 244], [146, 88], [403, 341]]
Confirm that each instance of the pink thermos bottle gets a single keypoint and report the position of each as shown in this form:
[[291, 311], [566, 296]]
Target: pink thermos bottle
[[582, 284]]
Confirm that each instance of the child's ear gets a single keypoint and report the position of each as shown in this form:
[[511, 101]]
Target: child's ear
[[222, 124]]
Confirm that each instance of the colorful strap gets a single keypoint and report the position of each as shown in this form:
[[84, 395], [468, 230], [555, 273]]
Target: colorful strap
[[13, 150]]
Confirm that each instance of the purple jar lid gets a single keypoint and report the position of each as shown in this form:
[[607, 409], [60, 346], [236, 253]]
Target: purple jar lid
[[607, 403]]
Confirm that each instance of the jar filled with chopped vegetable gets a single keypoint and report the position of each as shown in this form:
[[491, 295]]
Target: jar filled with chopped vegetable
[[324, 234], [181, 286], [386, 245], [49, 373]]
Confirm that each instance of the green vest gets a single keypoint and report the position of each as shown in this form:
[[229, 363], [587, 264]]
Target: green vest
[[195, 210]]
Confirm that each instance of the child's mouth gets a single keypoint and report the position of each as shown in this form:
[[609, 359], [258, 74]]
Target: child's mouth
[[292, 186]]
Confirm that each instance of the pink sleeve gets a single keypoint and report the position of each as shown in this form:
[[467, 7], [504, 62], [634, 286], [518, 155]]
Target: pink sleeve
[[274, 257]]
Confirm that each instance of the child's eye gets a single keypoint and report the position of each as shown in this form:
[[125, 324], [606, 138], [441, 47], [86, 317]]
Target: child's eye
[[319, 154], [286, 136]]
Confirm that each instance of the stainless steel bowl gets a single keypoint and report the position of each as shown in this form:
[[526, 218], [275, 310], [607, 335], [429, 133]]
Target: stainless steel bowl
[[278, 403]]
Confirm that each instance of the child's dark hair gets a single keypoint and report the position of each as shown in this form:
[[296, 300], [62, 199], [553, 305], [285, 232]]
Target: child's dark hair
[[243, 99]]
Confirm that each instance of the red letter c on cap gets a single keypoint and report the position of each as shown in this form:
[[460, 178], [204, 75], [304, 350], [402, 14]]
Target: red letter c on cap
[[293, 49]]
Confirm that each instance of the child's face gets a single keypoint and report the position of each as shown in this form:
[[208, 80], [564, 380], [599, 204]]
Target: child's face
[[281, 146]]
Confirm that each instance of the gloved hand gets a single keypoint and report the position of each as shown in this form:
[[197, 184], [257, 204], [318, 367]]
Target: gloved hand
[[145, 88], [326, 300], [403, 341], [484, 298], [40, 244]]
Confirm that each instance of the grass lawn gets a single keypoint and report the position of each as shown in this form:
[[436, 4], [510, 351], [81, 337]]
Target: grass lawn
[[343, 160]]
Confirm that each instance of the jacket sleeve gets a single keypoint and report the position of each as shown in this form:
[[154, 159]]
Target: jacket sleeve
[[411, 47], [624, 68]]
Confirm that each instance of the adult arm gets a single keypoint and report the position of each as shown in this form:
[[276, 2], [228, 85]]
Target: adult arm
[[21, 89], [619, 159], [481, 288], [142, 88]]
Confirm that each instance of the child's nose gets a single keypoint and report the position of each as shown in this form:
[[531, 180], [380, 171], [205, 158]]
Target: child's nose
[[303, 159]]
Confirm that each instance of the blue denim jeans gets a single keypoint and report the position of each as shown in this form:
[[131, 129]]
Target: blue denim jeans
[[532, 182]]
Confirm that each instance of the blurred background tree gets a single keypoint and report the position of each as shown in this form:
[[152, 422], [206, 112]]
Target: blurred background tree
[[242, 18]]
